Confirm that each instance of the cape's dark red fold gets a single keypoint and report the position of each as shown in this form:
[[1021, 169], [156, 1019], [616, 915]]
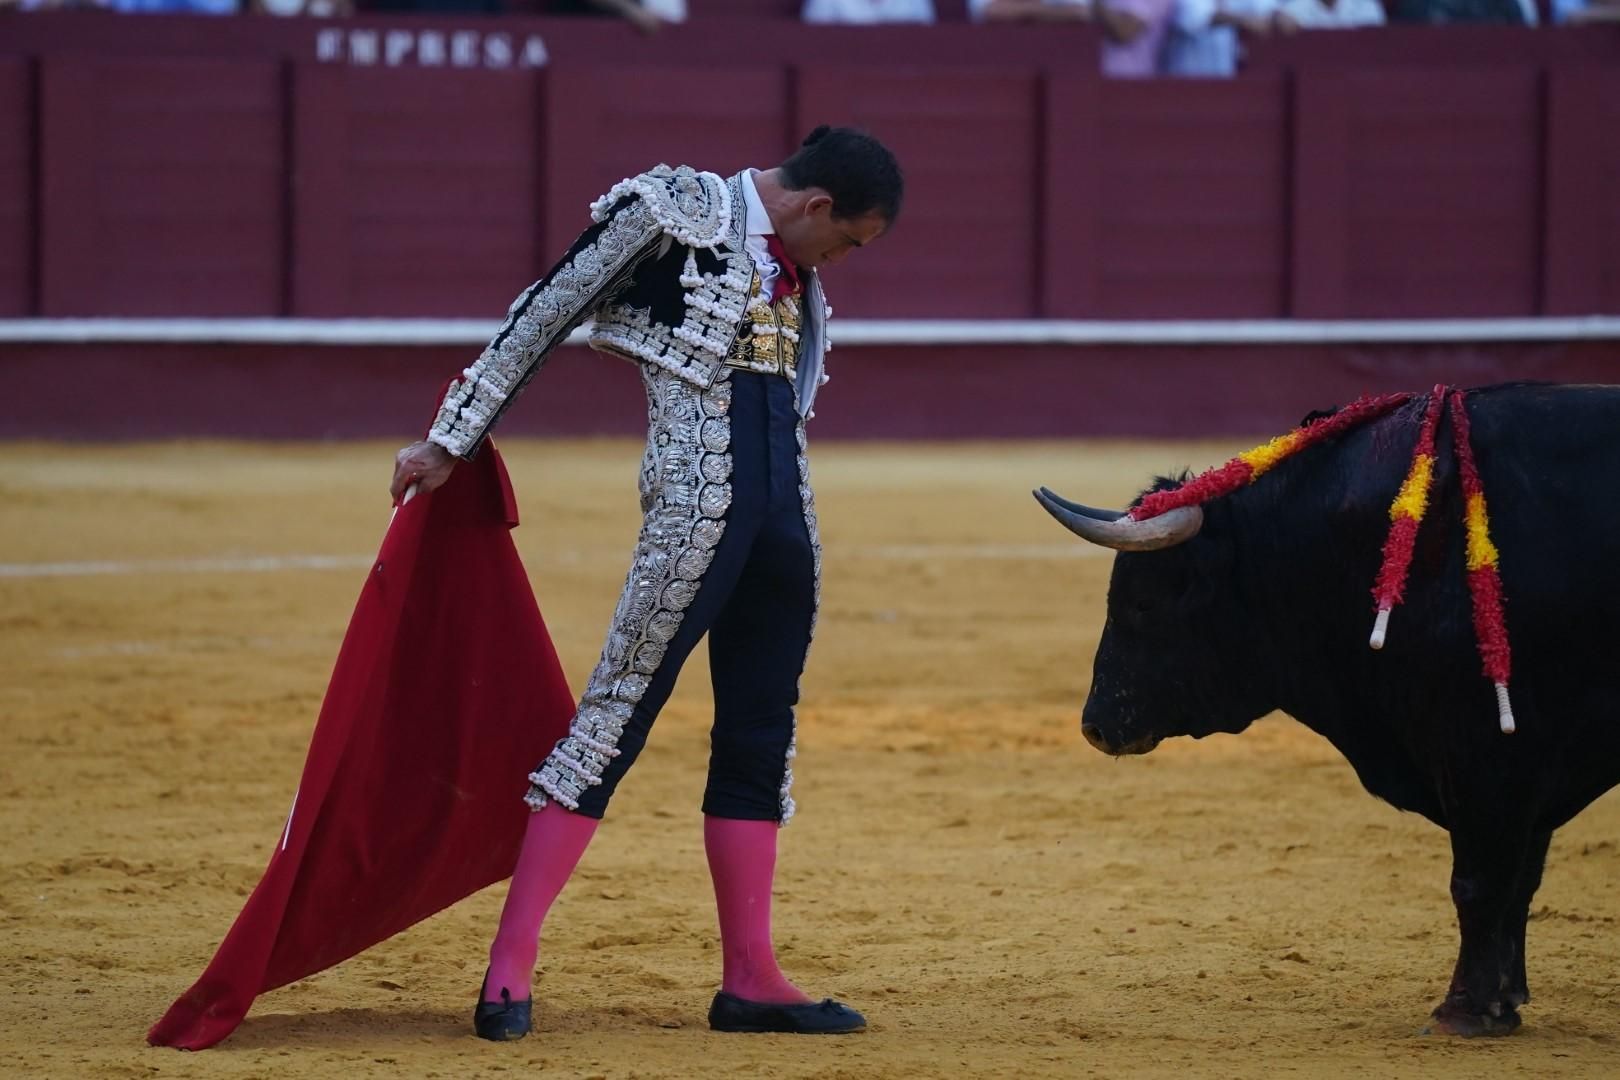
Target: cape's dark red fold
[[447, 691]]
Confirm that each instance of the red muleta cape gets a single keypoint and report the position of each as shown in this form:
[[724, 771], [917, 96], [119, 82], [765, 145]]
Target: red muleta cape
[[446, 693]]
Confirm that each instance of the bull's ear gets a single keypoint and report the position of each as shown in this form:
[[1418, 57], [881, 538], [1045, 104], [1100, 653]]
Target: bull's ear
[[1113, 529], [1317, 414]]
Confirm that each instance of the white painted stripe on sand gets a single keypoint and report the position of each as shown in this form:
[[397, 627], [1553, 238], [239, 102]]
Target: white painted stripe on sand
[[187, 646], [252, 564], [262, 564]]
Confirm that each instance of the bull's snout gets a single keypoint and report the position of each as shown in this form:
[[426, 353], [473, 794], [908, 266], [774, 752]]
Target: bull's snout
[[1094, 735]]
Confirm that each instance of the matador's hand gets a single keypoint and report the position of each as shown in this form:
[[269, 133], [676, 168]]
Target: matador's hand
[[425, 464]]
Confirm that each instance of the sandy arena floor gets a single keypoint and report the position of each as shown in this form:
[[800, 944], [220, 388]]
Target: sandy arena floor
[[997, 897]]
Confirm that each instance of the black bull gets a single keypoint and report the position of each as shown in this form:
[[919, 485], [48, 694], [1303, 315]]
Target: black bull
[[1266, 605]]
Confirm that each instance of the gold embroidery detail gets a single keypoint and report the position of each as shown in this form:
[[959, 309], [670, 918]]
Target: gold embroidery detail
[[768, 339]]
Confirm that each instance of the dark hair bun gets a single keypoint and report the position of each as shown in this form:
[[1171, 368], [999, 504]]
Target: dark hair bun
[[816, 135]]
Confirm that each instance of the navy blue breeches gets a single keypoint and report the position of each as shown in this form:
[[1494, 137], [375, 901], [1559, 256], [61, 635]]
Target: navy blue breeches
[[757, 603]]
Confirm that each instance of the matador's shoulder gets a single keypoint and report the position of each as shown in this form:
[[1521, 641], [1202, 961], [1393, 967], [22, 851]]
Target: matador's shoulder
[[691, 206]]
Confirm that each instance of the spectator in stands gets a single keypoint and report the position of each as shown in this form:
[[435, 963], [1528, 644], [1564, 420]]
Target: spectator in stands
[[866, 12], [1133, 35], [1574, 12], [1030, 10], [648, 16], [166, 7], [1585, 12], [1203, 40], [1507, 12], [320, 9], [434, 7], [1327, 15], [1133, 30]]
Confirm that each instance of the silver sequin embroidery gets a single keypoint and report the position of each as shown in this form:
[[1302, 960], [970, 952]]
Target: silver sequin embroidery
[[537, 321], [684, 499]]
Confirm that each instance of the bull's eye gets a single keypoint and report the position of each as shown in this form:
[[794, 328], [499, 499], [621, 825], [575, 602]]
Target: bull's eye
[[1137, 613], [1151, 602]]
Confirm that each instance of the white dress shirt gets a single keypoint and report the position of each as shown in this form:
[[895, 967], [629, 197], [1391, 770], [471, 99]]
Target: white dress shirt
[[813, 345], [759, 227]]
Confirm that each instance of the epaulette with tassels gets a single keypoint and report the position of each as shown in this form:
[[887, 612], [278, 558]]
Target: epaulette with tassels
[[1406, 514]]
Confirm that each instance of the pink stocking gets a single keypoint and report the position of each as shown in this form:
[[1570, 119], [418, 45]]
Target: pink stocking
[[742, 861], [552, 843]]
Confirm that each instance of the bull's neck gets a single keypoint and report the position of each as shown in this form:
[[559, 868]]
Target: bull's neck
[[1306, 548]]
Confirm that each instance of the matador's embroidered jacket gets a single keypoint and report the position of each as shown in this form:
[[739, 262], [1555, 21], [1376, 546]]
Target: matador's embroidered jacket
[[665, 275]]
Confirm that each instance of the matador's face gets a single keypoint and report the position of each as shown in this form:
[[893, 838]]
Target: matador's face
[[814, 237]]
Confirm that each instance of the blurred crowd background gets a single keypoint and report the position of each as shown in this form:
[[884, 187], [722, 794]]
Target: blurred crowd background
[[1140, 38]]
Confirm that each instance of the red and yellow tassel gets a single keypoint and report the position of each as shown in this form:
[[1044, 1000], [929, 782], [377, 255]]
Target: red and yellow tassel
[[1484, 578], [1405, 515], [1243, 469]]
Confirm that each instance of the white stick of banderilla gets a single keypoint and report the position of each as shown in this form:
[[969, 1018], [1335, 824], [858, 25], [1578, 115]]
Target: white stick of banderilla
[[1380, 629]]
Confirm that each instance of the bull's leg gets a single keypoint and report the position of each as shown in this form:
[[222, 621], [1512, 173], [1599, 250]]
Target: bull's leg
[[1518, 989], [1486, 885]]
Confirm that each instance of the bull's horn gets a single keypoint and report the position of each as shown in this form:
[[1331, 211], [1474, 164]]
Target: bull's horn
[[1078, 508], [1113, 529]]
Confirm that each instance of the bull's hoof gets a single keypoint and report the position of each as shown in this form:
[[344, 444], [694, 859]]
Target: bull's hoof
[[1454, 1017]]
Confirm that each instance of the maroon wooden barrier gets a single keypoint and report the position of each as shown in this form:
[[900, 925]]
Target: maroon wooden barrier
[[274, 392], [161, 187], [414, 195], [305, 392], [1161, 391], [1164, 199], [1452, 45], [603, 125], [967, 241], [172, 166], [1583, 192], [17, 213], [1417, 193]]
